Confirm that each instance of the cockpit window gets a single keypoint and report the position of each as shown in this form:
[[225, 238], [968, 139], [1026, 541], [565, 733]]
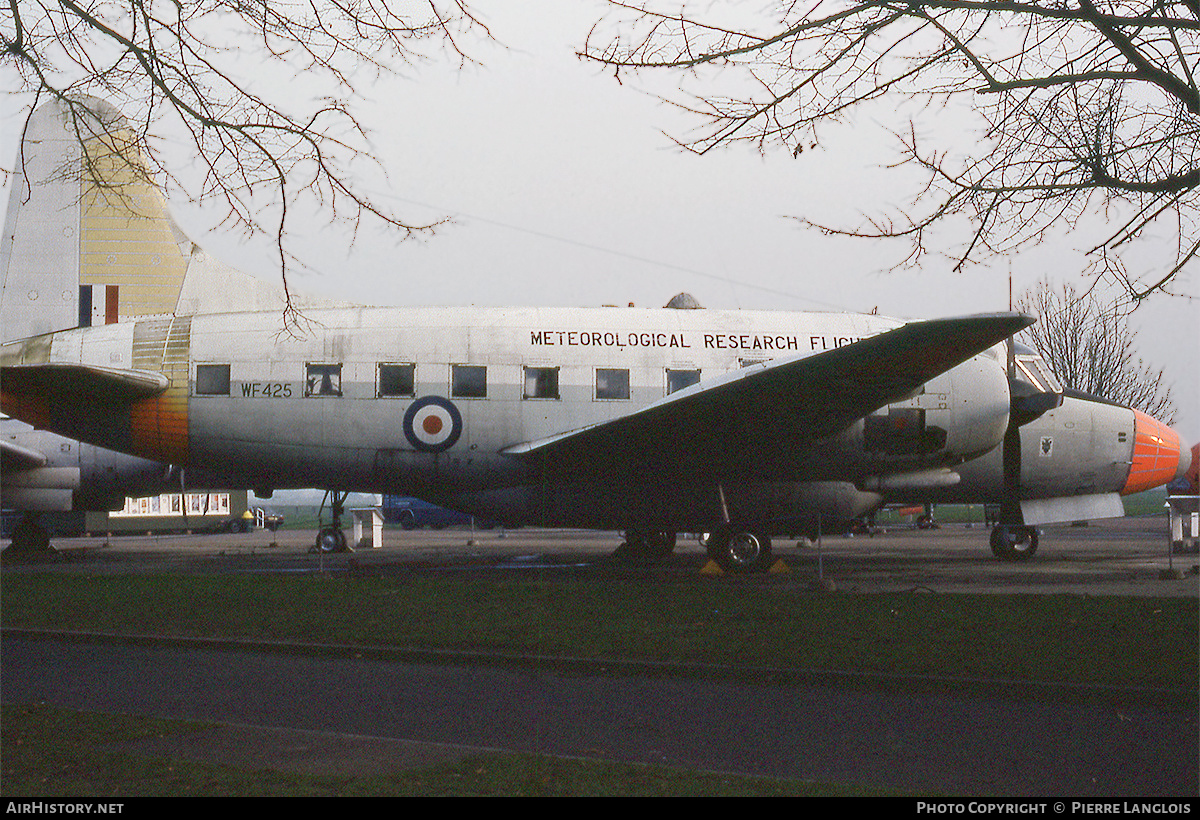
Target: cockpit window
[[1033, 368]]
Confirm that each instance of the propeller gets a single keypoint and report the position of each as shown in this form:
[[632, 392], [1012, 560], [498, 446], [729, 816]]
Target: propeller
[[1028, 400]]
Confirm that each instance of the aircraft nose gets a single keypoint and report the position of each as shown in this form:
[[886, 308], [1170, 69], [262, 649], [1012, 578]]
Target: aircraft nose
[[1159, 457]]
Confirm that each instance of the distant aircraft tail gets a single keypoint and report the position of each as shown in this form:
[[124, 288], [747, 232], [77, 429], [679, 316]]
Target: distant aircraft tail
[[88, 238]]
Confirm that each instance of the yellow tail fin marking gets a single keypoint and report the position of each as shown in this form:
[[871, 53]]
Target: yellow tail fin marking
[[127, 240]]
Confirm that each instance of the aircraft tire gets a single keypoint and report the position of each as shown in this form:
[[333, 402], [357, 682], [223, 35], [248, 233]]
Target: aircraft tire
[[740, 551], [29, 535], [1014, 543], [331, 539]]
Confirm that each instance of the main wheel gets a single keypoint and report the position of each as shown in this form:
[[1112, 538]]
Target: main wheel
[[1014, 543], [331, 539], [740, 551], [29, 535]]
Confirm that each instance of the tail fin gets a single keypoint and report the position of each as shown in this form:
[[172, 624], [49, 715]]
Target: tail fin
[[87, 237]]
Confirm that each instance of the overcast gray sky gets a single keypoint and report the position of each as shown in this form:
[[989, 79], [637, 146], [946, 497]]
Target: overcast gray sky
[[564, 190]]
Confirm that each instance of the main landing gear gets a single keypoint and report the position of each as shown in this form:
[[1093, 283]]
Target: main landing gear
[[30, 540], [737, 550], [1012, 543], [331, 538]]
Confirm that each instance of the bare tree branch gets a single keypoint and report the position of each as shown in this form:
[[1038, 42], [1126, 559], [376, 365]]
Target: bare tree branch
[[1090, 347], [164, 61], [1085, 106]]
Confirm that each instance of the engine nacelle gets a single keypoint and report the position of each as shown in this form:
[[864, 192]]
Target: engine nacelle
[[958, 416], [57, 474]]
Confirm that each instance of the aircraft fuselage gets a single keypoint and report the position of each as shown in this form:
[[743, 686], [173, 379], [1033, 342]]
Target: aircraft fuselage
[[427, 402]]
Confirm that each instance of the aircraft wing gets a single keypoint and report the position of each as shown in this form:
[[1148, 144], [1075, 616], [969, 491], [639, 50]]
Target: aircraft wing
[[88, 382], [771, 414]]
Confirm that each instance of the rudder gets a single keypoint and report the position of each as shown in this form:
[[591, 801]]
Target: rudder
[[87, 235]]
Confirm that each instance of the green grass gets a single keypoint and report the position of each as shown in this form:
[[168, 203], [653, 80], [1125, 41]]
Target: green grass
[[1060, 638], [751, 622], [50, 752]]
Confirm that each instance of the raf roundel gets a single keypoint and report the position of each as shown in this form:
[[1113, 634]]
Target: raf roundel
[[432, 424]]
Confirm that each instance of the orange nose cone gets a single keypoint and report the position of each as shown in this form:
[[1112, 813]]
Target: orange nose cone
[[1156, 450]]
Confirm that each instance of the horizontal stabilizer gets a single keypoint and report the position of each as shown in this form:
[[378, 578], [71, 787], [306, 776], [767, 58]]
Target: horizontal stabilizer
[[80, 382], [771, 413]]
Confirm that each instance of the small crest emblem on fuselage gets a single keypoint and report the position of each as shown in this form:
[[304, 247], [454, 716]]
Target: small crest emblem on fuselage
[[432, 424]]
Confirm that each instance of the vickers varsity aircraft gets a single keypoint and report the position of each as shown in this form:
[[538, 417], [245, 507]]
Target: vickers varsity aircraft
[[744, 424], [88, 247], [651, 421]]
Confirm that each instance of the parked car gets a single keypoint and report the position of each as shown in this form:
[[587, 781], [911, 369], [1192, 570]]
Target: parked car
[[267, 519], [413, 513], [253, 518]]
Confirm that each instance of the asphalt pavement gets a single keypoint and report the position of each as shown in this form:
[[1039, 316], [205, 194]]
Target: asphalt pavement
[[1127, 556]]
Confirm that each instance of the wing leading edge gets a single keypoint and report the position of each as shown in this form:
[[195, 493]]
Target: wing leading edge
[[81, 382], [770, 413]]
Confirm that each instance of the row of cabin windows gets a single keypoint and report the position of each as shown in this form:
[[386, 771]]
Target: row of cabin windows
[[467, 381]]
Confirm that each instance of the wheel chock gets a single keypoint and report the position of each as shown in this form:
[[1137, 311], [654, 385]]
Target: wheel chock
[[779, 568], [711, 568]]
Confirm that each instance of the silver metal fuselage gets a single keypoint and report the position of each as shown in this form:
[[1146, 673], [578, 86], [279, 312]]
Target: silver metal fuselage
[[561, 416], [274, 428]]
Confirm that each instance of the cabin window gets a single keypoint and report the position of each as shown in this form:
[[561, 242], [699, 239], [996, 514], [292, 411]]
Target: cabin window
[[468, 381], [612, 383], [541, 383], [212, 380], [323, 379], [679, 379], [397, 380]]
